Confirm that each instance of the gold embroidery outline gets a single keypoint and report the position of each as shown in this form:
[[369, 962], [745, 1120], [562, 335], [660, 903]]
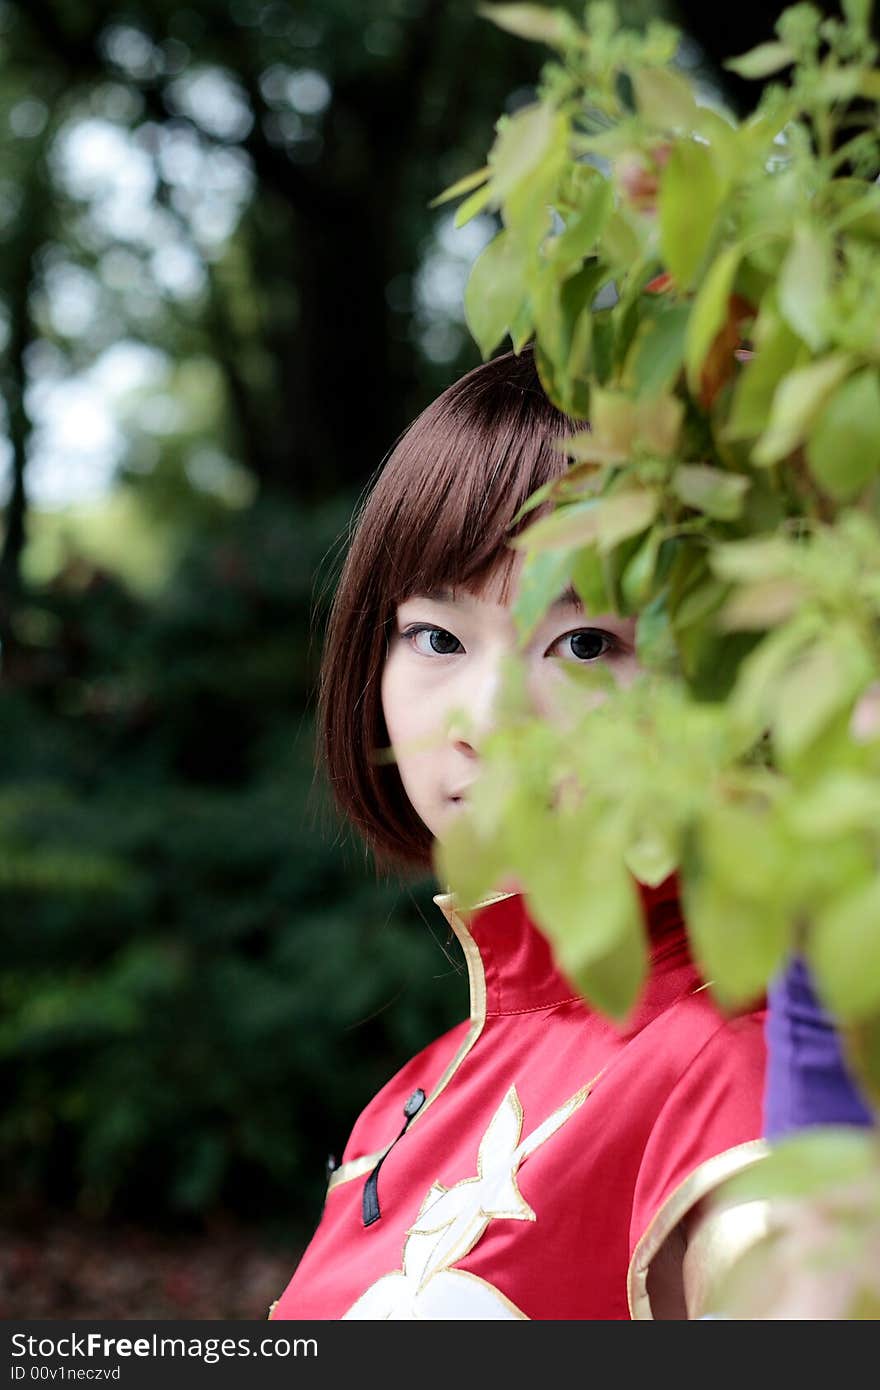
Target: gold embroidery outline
[[707, 1175], [523, 1150], [448, 905], [477, 1279]]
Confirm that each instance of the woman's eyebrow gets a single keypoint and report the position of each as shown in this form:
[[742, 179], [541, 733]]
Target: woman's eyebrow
[[569, 598]]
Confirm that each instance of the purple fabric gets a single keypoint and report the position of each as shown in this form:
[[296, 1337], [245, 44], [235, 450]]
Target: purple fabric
[[807, 1081]]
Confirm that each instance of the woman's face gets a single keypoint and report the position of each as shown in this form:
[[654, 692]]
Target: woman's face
[[447, 654]]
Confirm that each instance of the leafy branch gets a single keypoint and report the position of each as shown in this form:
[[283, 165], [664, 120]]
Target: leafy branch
[[705, 293]]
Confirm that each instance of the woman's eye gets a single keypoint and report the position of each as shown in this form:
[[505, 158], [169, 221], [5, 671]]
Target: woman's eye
[[445, 646], [589, 643], [586, 644]]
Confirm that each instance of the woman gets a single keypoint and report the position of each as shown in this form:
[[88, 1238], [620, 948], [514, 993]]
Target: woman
[[537, 1161]]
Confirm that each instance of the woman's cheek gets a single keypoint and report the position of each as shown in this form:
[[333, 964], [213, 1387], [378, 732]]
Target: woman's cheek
[[630, 668], [409, 703]]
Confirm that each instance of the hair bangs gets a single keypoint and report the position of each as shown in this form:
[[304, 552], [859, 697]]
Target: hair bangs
[[463, 471], [439, 515]]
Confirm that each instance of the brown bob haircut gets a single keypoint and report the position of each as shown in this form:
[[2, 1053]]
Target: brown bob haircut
[[438, 515]]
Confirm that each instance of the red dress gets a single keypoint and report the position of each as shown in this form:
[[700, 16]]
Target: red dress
[[546, 1140]]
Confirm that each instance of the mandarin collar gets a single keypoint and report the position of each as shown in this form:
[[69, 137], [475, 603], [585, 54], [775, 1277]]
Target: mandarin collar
[[510, 960]]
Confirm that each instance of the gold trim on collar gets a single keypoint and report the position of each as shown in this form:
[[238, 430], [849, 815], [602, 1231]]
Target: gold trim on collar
[[448, 904], [683, 1199]]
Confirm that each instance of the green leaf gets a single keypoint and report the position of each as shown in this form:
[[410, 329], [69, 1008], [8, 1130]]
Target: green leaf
[[843, 948], [853, 207], [843, 861], [754, 702], [839, 803], [554, 27], [620, 426], [664, 98], [544, 574], [740, 944], [472, 864], [687, 568], [588, 578], [576, 297], [523, 326], [843, 449], [619, 243], [495, 292], [736, 905], [762, 61], [657, 353], [576, 378], [723, 136], [603, 345], [697, 603], [757, 134], [858, 14], [658, 424], [805, 286], [563, 328], [823, 680], [861, 1043], [523, 142], [760, 557], [637, 579], [613, 425], [710, 490], [709, 312], [656, 647], [626, 514], [594, 921], [472, 205], [691, 191], [652, 855], [578, 240], [797, 401], [841, 85], [463, 185], [526, 205], [762, 605], [548, 375], [777, 351], [612, 982], [604, 521], [535, 498], [569, 526], [805, 1163]]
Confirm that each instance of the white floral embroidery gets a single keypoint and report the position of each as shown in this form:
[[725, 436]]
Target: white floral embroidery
[[452, 1220]]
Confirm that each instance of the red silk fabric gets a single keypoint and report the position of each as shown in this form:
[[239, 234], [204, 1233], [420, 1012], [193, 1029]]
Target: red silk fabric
[[677, 1084]]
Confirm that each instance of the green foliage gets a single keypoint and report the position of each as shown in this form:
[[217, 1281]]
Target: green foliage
[[818, 1256], [169, 898], [195, 973], [726, 492]]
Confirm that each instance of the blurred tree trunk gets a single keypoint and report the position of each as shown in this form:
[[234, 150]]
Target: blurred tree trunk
[[334, 231], [19, 267]]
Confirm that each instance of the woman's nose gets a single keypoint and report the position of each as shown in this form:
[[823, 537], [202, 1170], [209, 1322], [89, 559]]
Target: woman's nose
[[477, 708]]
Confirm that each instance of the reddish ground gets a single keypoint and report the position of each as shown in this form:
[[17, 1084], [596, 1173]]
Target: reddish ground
[[65, 1268]]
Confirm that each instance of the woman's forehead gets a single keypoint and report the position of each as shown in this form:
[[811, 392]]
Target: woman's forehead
[[470, 598]]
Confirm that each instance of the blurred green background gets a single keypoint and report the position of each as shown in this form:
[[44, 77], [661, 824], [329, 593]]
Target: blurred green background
[[222, 296]]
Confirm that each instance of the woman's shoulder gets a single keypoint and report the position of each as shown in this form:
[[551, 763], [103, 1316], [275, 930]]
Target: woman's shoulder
[[695, 1029]]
